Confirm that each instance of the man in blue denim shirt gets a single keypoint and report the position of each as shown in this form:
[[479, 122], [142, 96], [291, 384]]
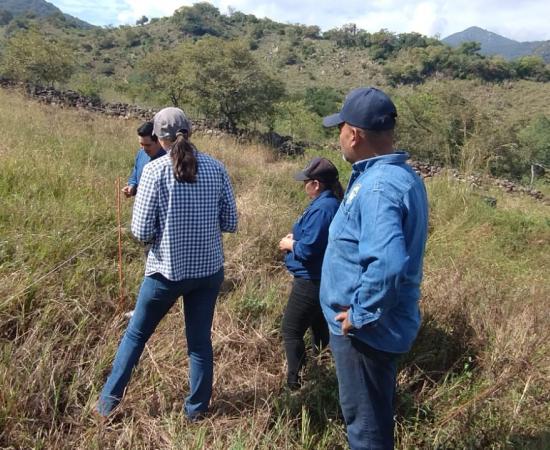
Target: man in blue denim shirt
[[370, 283]]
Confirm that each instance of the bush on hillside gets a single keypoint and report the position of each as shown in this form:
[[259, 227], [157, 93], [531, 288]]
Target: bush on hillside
[[30, 56], [323, 100], [534, 141], [294, 118], [441, 125], [532, 68], [5, 17]]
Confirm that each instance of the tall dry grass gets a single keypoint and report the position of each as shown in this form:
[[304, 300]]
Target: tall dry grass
[[476, 378]]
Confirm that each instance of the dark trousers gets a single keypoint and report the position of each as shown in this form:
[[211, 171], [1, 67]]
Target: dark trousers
[[302, 312], [366, 384]]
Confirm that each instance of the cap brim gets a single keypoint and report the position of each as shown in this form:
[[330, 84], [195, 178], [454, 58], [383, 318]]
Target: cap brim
[[333, 120], [301, 176]]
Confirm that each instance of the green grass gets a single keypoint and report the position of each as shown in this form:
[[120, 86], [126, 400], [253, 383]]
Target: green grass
[[477, 376]]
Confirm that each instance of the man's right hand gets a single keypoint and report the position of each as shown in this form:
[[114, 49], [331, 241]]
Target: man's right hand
[[129, 191]]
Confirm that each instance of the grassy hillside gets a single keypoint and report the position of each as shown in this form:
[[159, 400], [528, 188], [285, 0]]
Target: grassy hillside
[[476, 378], [301, 55]]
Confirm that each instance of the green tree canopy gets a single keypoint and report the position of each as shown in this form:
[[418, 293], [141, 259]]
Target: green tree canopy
[[200, 19], [219, 78], [31, 56]]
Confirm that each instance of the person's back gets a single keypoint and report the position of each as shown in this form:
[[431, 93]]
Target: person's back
[[370, 283], [186, 218], [397, 324], [184, 203]]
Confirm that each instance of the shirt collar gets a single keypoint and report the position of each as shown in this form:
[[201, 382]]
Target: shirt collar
[[397, 157], [326, 193], [160, 153]]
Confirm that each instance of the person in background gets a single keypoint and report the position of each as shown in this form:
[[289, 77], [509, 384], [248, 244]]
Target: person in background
[[370, 283], [150, 149], [305, 248], [184, 203]]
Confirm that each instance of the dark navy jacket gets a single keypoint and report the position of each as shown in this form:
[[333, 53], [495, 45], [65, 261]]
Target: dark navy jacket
[[310, 233]]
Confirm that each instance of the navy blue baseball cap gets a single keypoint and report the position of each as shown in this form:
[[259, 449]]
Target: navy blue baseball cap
[[366, 108]]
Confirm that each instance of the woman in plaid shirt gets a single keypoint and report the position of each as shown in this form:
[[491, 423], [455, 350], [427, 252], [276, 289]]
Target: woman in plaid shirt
[[184, 203]]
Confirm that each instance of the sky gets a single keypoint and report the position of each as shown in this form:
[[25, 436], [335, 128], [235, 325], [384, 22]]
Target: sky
[[522, 20]]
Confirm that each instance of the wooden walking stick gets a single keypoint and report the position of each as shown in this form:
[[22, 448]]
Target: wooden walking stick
[[119, 225]]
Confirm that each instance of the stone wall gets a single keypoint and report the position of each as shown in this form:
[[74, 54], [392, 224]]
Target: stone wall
[[282, 144]]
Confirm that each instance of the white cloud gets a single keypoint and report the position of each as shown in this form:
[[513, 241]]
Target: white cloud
[[135, 9], [525, 20]]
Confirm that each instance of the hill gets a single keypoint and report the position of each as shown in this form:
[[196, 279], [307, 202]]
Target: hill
[[110, 60], [39, 8], [494, 44]]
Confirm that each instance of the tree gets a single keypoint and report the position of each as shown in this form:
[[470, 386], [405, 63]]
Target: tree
[[470, 48], [225, 83], [5, 17], [200, 19], [31, 56], [142, 21], [160, 72]]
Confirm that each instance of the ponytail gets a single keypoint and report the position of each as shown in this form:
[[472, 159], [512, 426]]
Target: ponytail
[[333, 186], [336, 189], [184, 161]]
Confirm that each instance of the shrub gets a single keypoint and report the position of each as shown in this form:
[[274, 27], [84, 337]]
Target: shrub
[[31, 56]]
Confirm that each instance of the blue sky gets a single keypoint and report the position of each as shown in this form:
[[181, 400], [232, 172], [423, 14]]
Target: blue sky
[[523, 20]]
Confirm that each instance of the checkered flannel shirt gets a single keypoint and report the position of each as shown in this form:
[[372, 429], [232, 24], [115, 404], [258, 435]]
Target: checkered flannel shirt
[[184, 221]]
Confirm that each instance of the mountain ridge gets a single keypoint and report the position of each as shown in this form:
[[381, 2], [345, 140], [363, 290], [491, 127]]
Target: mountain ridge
[[41, 8], [493, 44]]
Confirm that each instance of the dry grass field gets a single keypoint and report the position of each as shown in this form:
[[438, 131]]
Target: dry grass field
[[477, 377]]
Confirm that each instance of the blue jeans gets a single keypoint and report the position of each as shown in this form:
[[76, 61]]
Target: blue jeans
[[366, 384], [156, 297]]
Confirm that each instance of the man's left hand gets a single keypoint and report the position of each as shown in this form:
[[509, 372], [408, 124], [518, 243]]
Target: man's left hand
[[346, 324]]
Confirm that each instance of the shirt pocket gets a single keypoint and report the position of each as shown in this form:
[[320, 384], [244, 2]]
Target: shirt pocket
[[341, 222]]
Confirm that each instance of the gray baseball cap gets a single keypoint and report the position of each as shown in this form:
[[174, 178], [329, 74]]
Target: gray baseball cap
[[169, 121]]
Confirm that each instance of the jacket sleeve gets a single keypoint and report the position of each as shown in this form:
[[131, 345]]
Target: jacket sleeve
[[145, 213], [383, 257], [228, 207], [314, 237]]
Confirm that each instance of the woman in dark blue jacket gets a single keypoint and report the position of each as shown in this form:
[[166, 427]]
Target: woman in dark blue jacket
[[305, 248]]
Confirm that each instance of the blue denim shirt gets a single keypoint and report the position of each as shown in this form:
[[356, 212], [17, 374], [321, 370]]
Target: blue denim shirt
[[142, 158], [373, 261], [310, 233]]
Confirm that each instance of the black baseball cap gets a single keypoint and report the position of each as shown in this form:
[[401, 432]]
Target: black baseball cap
[[318, 169], [367, 108]]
